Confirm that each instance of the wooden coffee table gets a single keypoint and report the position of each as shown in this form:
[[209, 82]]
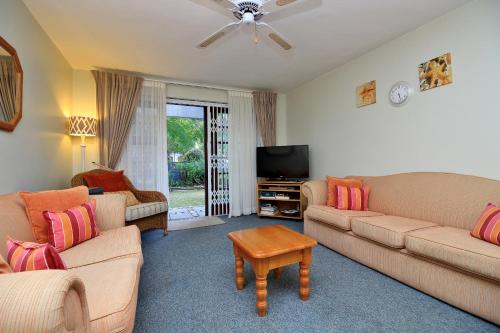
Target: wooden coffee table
[[271, 248]]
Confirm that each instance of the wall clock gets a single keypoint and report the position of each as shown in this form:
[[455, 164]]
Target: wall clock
[[400, 93]]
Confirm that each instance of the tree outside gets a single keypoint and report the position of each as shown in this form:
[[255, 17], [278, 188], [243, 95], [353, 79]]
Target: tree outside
[[186, 161], [184, 134]]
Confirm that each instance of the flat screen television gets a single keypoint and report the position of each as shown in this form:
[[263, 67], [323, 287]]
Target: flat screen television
[[279, 162]]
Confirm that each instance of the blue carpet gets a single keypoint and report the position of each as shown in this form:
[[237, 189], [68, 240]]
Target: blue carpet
[[187, 285]]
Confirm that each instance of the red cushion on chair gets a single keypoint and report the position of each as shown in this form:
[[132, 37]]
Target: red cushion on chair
[[111, 181]]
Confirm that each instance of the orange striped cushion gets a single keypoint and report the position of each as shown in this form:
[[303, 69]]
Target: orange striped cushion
[[488, 226], [333, 182], [27, 256], [352, 198], [73, 226]]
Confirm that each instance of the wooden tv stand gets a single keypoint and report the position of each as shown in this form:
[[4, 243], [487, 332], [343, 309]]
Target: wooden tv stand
[[290, 189]]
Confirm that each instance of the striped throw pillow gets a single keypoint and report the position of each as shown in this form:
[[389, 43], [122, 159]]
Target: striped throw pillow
[[27, 256], [352, 198], [488, 226], [73, 226]]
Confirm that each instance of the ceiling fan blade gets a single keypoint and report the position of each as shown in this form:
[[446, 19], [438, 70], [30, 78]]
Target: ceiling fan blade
[[275, 36], [280, 41], [284, 2], [219, 34]]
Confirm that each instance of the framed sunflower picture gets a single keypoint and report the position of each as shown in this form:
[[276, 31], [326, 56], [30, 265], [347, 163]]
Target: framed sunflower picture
[[435, 72], [366, 94]]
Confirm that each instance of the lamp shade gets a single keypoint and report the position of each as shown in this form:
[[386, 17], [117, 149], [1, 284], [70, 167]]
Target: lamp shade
[[82, 126]]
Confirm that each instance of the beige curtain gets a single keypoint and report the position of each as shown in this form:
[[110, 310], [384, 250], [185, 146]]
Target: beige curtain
[[117, 99], [265, 110], [7, 89]]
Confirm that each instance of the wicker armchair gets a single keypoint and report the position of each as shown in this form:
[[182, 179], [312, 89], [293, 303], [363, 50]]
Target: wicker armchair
[[158, 221]]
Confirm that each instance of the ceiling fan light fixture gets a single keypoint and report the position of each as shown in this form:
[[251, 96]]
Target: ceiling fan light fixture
[[248, 18], [249, 12]]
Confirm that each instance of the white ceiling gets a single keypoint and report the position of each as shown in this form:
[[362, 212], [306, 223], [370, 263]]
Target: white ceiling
[[159, 37]]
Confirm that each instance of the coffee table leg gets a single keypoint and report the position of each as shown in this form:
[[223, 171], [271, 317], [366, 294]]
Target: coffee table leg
[[304, 281], [239, 278], [277, 273], [261, 286], [304, 274]]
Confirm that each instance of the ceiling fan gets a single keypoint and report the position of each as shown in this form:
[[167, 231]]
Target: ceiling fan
[[250, 13]]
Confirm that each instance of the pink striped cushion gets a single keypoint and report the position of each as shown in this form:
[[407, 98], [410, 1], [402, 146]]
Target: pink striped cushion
[[488, 225], [73, 226], [27, 256], [352, 198]]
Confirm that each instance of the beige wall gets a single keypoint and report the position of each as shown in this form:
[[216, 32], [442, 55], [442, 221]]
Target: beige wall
[[37, 155], [84, 105], [453, 128]]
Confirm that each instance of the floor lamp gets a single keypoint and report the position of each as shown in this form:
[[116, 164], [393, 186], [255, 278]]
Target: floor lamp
[[82, 127]]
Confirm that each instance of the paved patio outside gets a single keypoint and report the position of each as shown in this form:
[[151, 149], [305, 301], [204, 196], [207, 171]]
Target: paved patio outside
[[183, 213]]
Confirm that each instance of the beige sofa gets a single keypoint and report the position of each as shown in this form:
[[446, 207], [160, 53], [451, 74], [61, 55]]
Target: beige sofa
[[417, 231], [98, 293]]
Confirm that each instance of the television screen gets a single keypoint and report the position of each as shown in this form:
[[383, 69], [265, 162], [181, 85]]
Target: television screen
[[283, 162]]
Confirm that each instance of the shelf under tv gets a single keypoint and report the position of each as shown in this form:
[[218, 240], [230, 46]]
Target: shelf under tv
[[296, 198]]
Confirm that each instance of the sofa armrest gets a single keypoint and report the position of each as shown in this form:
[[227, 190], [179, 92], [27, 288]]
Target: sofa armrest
[[43, 301], [110, 211], [316, 192]]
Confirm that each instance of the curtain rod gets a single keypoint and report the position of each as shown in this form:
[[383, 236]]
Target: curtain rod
[[196, 85], [175, 82]]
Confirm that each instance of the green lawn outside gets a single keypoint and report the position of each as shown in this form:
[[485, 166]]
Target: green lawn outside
[[187, 198]]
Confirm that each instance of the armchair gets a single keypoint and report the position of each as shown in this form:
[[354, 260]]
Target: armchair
[[152, 213]]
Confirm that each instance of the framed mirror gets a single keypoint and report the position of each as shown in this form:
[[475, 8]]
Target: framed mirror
[[11, 87]]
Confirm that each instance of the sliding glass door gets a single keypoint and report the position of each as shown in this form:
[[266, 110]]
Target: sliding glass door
[[198, 146]]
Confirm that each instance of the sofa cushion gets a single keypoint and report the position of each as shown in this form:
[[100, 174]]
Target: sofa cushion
[[339, 218], [131, 199], [110, 181], [13, 221], [111, 289], [456, 247], [388, 230], [4, 266], [352, 198], [73, 226], [28, 256], [56, 201], [333, 182], [111, 244], [488, 225], [144, 210]]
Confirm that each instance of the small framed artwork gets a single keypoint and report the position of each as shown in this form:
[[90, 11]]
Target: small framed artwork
[[435, 72], [366, 94]]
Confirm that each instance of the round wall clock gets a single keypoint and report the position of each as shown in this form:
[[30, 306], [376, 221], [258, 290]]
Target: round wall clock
[[400, 93]]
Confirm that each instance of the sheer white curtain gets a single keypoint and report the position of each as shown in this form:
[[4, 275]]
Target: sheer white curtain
[[242, 154], [144, 158]]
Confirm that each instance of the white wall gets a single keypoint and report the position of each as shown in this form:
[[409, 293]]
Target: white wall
[[453, 128], [37, 155], [84, 105], [197, 93]]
